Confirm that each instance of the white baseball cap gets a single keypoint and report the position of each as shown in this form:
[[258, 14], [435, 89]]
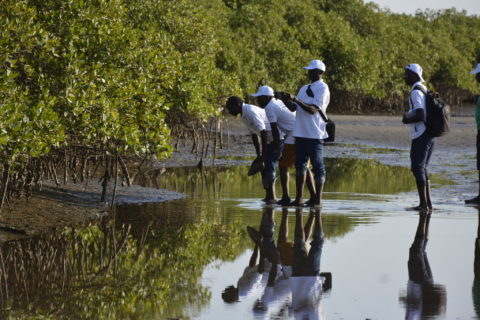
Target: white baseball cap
[[264, 91], [316, 64], [414, 67], [476, 70]]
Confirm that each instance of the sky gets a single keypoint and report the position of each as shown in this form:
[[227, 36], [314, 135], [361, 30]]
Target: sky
[[410, 6]]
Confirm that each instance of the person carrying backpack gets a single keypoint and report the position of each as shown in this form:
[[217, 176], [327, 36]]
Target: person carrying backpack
[[422, 141], [476, 72]]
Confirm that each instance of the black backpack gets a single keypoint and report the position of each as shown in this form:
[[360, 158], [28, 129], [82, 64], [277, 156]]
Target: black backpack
[[438, 114]]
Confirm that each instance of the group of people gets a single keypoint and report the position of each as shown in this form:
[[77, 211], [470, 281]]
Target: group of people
[[291, 129], [287, 275]]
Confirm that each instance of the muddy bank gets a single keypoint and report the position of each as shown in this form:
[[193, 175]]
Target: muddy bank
[[69, 204]]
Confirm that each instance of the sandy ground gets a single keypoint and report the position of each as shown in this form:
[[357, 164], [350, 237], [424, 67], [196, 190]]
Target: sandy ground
[[454, 158]]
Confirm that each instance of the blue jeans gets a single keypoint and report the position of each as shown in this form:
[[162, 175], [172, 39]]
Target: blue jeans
[[268, 174], [267, 230], [312, 149], [307, 264], [420, 153]]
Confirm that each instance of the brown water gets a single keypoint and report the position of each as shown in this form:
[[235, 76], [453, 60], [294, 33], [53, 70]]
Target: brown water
[[174, 259]]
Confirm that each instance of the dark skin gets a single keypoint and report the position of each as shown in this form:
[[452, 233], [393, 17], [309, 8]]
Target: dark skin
[[291, 101], [411, 78]]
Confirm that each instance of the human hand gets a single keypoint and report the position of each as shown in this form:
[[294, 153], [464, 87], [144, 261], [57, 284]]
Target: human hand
[[284, 96]]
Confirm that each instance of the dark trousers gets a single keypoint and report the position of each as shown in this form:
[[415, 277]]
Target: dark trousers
[[307, 263], [420, 153]]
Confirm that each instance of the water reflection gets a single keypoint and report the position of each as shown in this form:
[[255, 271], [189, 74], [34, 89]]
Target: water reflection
[[287, 278], [347, 175], [424, 299], [115, 269], [476, 270]]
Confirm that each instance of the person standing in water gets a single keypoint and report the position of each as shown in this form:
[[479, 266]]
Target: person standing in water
[[257, 123], [476, 200], [422, 142], [310, 129]]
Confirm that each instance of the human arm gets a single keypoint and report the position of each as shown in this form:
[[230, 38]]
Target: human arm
[[256, 144], [412, 116], [417, 112], [263, 139], [276, 139]]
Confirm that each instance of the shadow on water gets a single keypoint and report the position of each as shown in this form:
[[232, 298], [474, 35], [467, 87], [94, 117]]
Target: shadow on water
[[147, 260]]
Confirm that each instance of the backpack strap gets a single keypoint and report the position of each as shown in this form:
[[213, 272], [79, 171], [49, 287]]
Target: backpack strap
[[419, 88]]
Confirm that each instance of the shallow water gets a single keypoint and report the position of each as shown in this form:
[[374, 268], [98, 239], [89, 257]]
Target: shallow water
[[174, 259]]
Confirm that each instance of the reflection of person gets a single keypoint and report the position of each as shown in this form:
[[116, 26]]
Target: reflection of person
[[422, 142], [310, 129], [307, 283], [257, 123], [424, 299], [277, 289], [251, 279], [285, 247], [476, 72], [476, 271], [282, 120]]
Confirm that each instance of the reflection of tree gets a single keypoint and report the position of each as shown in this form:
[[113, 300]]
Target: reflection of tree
[[345, 175], [103, 271], [366, 176]]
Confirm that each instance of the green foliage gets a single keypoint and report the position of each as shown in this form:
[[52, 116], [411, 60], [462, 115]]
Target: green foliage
[[120, 76]]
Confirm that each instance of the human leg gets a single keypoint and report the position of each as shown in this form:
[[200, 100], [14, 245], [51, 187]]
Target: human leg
[[476, 200], [283, 230], [316, 155], [284, 177], [287, 161], [311, 188], [420, 153], [301, 160], [316, 245], [299, 249], [268, 176]]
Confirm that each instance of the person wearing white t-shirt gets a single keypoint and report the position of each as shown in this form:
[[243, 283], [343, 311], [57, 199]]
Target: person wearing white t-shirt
[[310, 129], [282, 122], [422, 142], [257, 124]]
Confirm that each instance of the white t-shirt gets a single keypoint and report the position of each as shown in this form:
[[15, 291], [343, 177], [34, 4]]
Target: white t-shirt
[[255, 120], [278, 113], [274, 299], [306, 291], [418, 101], [309, 125], [414, 300], [249, 282]]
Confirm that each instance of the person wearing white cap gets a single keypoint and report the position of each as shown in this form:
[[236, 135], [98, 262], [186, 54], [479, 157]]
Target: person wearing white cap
[[422, 142], [257, 123], [476, 72], [282, 120], [310, 129]]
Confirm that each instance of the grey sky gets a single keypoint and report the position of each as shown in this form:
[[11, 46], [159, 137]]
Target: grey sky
[[410, 6]]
